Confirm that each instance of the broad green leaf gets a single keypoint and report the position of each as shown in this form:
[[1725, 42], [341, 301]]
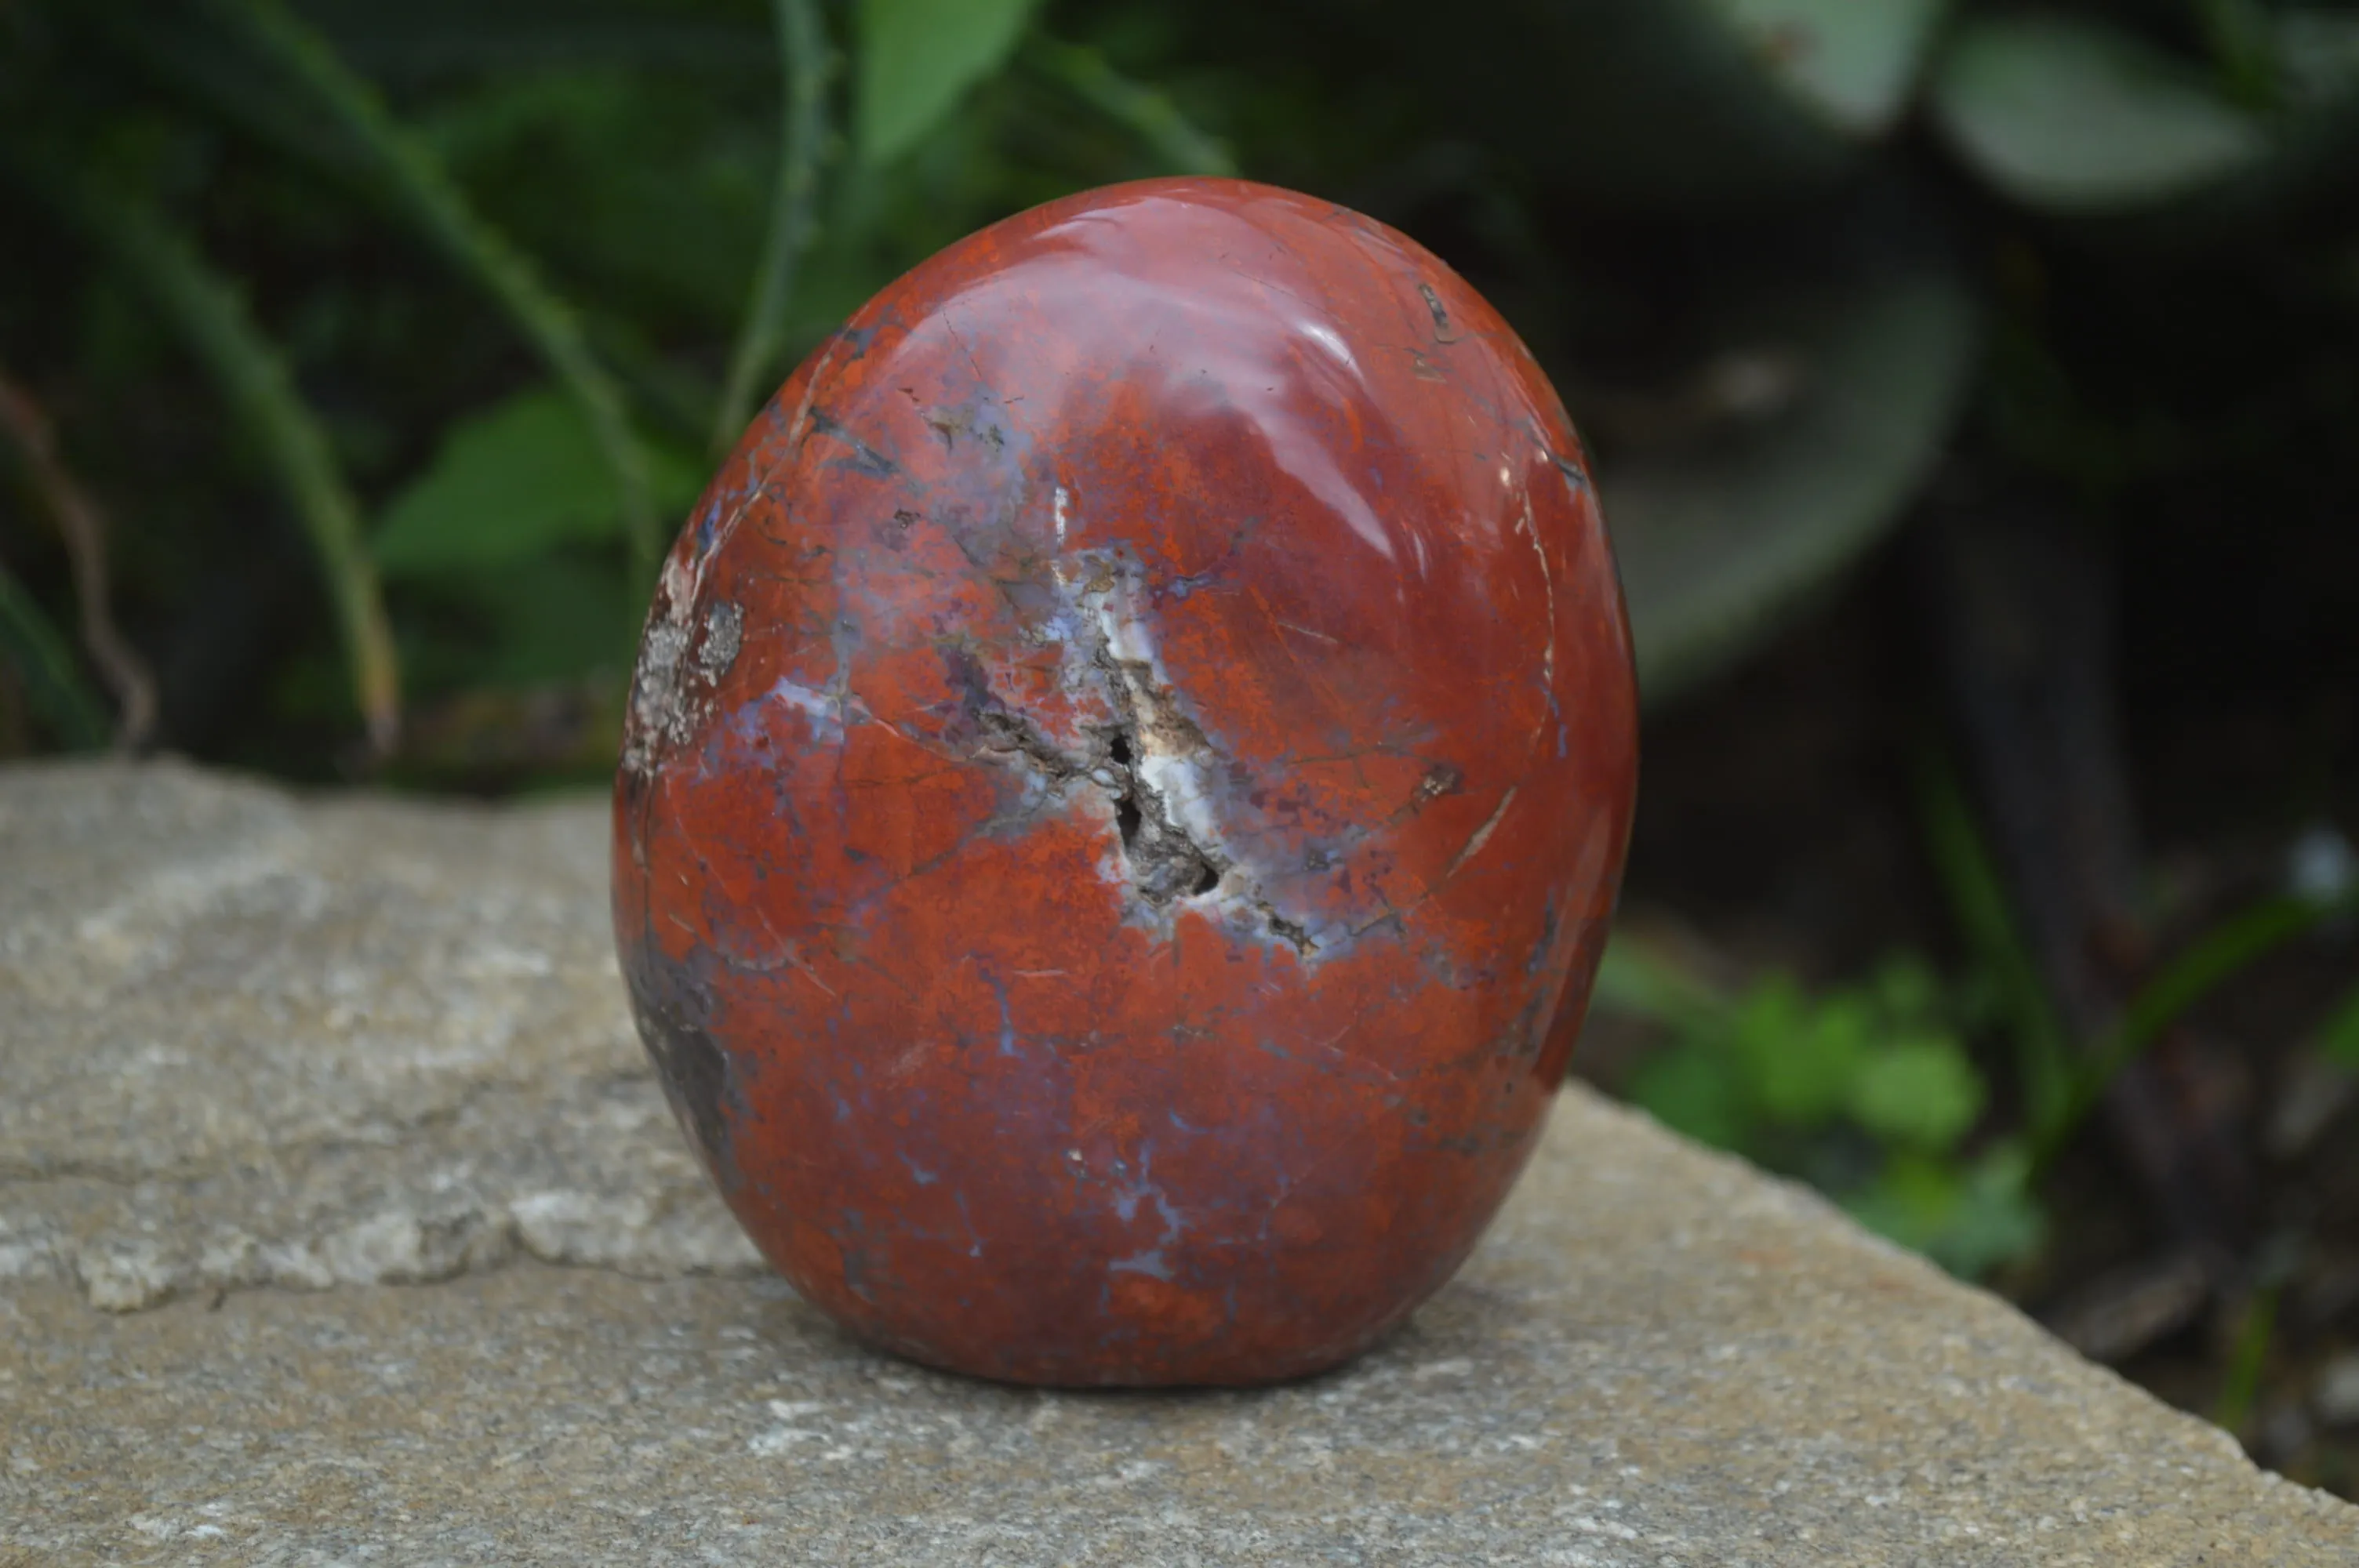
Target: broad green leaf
[[1720, 536], [508, 485], [1657, 105], [917, 57], [1851, 61], [2072, 117], [2317, 55], [1922, 1093], [444, 214], [566, 617]]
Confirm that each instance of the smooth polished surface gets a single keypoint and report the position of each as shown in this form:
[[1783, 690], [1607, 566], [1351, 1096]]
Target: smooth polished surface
[[1127, 772]]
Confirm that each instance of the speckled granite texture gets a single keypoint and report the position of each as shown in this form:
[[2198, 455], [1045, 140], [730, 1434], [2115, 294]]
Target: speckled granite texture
[[342, 1221]]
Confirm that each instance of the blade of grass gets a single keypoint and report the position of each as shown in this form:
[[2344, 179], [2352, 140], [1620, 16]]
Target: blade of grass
[[805, 63], [1978, 901], [212, 320], [2241, 1381], [2216, 957], [443, 214], [1636, 979], [83, 528], [1146, 112], [37, 650]]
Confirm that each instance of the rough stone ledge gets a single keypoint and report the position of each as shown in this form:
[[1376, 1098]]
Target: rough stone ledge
[[590, 1173], [252, 1041], [258, 1043]]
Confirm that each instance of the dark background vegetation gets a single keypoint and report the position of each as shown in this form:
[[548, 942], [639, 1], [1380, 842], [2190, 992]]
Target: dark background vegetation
[[1975, 396]]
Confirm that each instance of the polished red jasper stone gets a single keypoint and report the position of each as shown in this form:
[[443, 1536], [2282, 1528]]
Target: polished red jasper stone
[[1126, 778]]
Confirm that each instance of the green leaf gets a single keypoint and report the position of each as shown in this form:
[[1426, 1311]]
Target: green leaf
[[1996, 1220], [1968, 1220], [1696, 1089], [1910, 1201], [443, 214], [1920, 1092], [2316, 54], [1800, 1059], [917, 57], [567, 618], [1657, 105], [510, 483], [1908, 992], [2072, 116], [1852, 64], [1719, 538]]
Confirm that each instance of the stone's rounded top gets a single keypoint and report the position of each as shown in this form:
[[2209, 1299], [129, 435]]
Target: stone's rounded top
[[1305, 329], [1132, 759]]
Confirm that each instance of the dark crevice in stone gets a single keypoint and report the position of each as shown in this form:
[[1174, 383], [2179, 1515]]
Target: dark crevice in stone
[[1292, 932], [864, 458], [1125, 805], [1166, 864]]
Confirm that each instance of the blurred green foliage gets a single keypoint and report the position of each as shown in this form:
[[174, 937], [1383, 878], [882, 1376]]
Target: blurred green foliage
[[437, 293], [2338, 1036], [1871, 1091], [395, 335], [1867, 1091]]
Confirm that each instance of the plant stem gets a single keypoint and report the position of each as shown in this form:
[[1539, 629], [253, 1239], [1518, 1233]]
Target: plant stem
[[805, 62], [83, 527], [1978, 901], [1634, 980], [1146, 112], [212, 320], [2242, 1379], [2218, 955], [444, 214]]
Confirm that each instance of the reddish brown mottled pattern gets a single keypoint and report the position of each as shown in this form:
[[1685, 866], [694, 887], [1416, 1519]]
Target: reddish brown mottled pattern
[[1127, 775]]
